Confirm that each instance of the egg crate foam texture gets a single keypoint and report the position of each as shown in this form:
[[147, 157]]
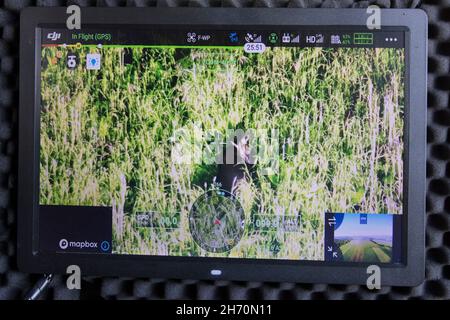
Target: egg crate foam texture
[[14, 284]]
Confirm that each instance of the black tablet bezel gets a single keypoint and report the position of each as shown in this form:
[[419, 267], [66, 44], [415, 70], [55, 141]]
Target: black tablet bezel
[[31, 260]]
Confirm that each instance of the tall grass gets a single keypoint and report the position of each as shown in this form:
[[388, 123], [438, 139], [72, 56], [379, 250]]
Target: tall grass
[[106, 138]]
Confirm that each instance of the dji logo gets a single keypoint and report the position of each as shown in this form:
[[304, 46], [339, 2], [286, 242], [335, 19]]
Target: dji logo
[[54, 36]]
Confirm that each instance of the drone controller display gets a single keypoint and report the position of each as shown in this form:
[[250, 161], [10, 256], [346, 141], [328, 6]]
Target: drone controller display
[[252, 144]]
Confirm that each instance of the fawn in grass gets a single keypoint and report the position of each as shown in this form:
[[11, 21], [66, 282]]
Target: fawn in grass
[[236, 163]]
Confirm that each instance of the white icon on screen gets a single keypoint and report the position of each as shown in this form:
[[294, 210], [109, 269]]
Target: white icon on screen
[[93, 61], [63, 244], [286, 38], [296, 39], [335, 39], [71, 61], [317, 38], [54, 36], [253, 37], [191, 37]]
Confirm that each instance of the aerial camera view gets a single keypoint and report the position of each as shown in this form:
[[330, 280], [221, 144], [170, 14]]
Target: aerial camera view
[[109, 138]]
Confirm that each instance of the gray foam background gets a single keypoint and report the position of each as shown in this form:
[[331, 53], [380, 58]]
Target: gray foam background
[[14, 284]]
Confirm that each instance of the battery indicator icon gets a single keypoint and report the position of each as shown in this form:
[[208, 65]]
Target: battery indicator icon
[[363, 38]]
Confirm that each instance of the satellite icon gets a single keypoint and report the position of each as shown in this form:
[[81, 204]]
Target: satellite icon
[[253, 37]]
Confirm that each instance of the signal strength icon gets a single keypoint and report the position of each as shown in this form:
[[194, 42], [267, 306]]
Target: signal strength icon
[[296, 39], [253, 37]]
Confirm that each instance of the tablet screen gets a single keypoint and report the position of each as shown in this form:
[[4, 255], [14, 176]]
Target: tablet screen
[[252, 144]]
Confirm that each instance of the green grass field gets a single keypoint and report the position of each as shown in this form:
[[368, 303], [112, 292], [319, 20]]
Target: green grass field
[[106, 138], [366, 251]]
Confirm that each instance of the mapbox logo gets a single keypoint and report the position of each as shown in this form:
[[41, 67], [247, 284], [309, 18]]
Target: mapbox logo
[[64, 244]]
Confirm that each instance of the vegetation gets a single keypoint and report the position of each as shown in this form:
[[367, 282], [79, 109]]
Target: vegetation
[[365, 250], [107, 137]]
